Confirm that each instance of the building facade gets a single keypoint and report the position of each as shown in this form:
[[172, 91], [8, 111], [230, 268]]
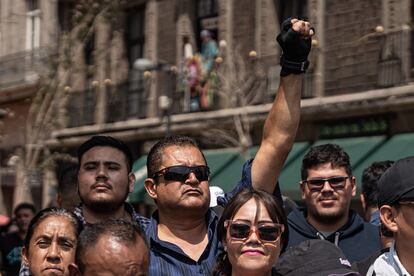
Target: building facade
[[130, 69]]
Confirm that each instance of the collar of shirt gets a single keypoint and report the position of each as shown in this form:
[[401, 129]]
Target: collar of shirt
[[397, 262], [142, 221], [169, 259], [389, 264]]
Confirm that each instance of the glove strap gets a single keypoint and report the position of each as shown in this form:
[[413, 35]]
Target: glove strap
[[292, 67]]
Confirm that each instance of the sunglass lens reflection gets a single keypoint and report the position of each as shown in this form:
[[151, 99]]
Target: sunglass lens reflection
[[181, 173], [268, 233], [240, 231]]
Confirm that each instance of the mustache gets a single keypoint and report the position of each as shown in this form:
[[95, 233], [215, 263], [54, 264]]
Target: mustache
[[193, 190], [101, 184]]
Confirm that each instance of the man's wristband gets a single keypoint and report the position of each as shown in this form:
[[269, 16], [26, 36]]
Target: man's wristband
[[292, 67]]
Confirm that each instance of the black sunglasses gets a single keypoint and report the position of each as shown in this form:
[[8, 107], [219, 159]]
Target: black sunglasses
[[269, 232], [336, 182], [181, 173]]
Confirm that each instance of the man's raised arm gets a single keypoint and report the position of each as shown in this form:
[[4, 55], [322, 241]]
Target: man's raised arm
[[282, 122]]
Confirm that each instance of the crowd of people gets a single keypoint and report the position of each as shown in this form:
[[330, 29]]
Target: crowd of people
[[251, 234]]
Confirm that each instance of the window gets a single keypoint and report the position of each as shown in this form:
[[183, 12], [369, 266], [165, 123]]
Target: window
[[32, 25], [207, 8], [135, 36], [65, 13], [207, 18], [291, 8], [89, 50], [135, 39]]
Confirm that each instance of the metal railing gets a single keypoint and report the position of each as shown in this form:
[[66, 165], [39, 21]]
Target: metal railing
[[389, 65], [81, 108], [126, 100], [395, 58], [24, 67]]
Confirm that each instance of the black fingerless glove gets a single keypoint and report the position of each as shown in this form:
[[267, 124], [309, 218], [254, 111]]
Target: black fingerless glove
[[295, 50]]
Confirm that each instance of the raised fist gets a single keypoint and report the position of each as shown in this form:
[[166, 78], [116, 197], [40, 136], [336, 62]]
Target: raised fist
[[295, 41]]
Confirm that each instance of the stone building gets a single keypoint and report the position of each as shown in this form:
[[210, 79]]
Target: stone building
[[131, 77]]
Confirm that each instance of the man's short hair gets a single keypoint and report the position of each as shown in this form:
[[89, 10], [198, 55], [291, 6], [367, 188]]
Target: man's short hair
[[105, 141], [68, 186], [24, 205], [154, 159], [123, 231], [369, 181], [67, 177], [326, 153]]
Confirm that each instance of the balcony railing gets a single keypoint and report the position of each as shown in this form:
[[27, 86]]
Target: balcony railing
[[125, 101], [24, 67], [389, 64], [395, 58], [81, 108]]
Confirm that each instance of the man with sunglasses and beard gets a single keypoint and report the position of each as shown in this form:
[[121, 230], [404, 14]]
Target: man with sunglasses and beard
[[327, 188], [182, 232]]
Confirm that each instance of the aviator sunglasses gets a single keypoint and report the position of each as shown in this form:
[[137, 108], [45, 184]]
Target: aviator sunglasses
[[181, 173], [336, 182], [268, 232]]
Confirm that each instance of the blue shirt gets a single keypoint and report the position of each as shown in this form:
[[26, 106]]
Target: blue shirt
[[168, 259], [375, 218]]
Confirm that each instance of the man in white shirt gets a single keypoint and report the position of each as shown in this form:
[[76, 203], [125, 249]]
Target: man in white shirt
[[396, 204]]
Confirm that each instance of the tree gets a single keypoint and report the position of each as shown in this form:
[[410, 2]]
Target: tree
[[47, 110], [241, 82]]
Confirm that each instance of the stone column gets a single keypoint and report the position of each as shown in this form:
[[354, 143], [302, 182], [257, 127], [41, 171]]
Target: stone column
[[151, 53], [101, 56], [267, 27], [317, 12], [49, 182]]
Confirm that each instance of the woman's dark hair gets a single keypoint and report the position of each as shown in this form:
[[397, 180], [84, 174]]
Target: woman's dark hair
[[276, 213], [47, 213]]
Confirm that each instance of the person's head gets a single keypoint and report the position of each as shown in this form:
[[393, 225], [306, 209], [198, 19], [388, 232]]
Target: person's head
[[314, 257], [396, 201], [50, 243], [178, 176], [23, 213], [205, 35], [113, 247], [67, 190], [327, 184], [254, 231], [104, 178], [369, 183]]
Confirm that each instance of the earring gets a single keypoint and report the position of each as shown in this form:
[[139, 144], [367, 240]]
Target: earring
[[225, 248]]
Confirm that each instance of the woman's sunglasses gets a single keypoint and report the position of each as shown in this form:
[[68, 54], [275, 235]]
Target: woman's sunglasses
[[181, 173], [268, 232]]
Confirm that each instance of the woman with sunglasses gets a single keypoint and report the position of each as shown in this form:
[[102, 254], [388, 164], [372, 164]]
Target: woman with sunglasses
[[253, 229]]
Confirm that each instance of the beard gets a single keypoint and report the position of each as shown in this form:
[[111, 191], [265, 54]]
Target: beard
[[327, 217], [103, 205]]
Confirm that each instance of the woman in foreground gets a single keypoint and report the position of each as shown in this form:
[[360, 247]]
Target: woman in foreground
[[50, 242], [253, 229]]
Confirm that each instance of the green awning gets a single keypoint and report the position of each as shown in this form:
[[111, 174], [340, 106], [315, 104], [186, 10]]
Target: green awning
[[226, 168], [394, 148], [226, 164]]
